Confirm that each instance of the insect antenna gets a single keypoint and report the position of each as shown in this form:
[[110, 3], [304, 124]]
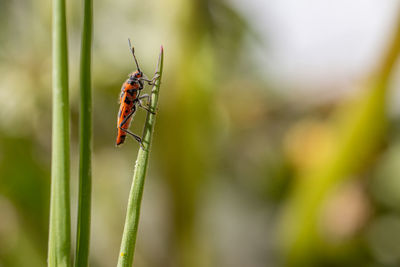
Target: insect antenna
[[133, 53]]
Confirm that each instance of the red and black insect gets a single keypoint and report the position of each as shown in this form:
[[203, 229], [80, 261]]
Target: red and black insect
[[130, 98]]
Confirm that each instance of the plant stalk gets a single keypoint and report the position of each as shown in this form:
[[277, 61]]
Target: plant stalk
[[85, 137], [135, 196], [59, 229]]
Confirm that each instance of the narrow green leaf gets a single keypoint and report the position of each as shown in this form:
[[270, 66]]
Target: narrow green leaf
[[85, 138], [59, 232]]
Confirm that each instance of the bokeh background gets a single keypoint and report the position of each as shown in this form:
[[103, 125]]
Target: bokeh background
[[277, 138]]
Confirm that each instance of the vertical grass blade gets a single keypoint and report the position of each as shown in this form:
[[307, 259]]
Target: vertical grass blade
[[59, 232], [135, 196], [85, 138]]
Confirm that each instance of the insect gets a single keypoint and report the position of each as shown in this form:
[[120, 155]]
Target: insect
[[130, 98]]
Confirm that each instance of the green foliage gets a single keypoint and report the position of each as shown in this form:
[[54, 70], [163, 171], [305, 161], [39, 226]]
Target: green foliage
[[59, 234], [227, 153], [85, 137]]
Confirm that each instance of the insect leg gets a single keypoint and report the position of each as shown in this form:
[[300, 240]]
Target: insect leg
[[137, 138], [127, 117], [152, 81], [141, 105]]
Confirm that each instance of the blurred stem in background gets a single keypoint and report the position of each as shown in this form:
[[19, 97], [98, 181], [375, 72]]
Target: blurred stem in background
[[59, 232], [208, 30], [85, 139], [361, 128], [186, 146], [128, 242]]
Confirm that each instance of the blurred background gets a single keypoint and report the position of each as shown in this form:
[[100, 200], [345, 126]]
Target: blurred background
[[277, 138]]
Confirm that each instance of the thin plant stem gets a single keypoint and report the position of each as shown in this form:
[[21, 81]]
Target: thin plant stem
[[85, 137], [135, 196], [59, 229]]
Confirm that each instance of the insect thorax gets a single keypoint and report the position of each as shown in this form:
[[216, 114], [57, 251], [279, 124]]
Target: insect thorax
[[135, 82]]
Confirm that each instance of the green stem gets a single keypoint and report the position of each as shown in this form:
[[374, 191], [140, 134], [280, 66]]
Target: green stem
[[135, 196], [59, 232], [85, 137]]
